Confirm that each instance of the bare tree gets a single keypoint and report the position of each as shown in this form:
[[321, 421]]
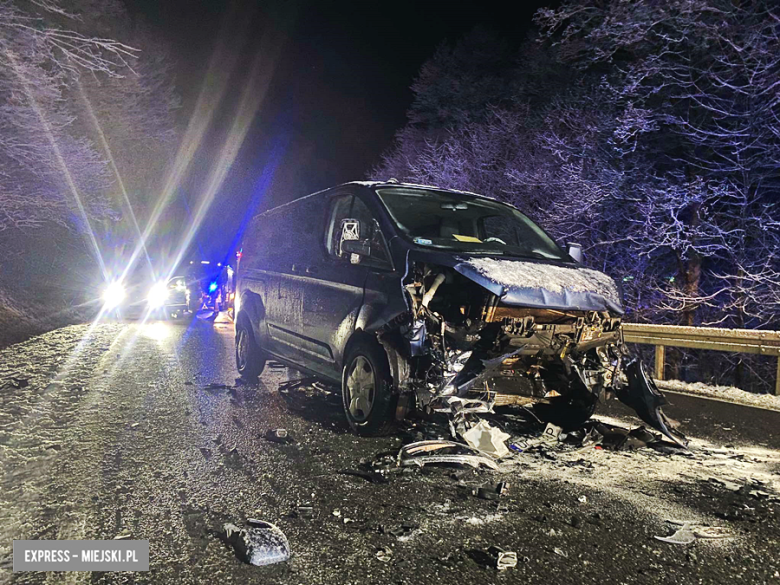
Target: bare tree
[[648, 132], [695, 88], [67, 91]]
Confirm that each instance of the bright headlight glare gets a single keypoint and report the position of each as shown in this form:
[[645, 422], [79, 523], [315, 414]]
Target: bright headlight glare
[[158, 295], [113, 295]]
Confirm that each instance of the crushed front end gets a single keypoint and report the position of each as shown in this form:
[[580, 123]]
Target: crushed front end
[[481, 333]]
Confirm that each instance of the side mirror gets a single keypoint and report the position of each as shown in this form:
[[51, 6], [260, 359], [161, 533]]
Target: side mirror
[[575, 251]]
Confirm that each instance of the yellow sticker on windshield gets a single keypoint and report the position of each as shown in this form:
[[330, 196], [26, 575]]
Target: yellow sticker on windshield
[[461, 238]]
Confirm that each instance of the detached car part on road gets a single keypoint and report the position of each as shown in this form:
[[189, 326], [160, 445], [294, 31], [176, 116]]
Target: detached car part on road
[[413, 296]]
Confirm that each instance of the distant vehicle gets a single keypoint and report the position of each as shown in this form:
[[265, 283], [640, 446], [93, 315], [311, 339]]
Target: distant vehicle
[[227, 287], [407, 294], [139, 294], [210, 285]]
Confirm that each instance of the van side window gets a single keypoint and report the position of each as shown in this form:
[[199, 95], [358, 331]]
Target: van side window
[[363, 227], [369, 230], [340, 207]]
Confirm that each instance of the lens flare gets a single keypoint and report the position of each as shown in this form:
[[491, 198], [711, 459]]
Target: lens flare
[[113, 296], [158, 294]]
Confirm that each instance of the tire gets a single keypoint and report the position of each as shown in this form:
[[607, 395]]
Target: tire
[[250, 360], [367, 389], [567, 413]]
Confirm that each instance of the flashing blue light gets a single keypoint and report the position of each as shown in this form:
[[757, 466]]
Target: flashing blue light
[[212, 287]]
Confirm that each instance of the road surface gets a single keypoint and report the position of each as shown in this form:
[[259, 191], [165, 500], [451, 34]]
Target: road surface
[[142, 430]]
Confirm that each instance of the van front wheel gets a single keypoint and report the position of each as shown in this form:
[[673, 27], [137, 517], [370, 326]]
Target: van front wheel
[[367, 389], [250, 360]]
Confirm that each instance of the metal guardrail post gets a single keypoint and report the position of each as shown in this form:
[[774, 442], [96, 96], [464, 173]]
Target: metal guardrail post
[[777, 378], [658, 366]]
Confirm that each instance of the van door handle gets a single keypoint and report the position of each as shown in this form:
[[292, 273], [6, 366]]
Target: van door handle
[[311, 270]]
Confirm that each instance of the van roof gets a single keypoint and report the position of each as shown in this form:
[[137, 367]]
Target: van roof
[[376, 184]]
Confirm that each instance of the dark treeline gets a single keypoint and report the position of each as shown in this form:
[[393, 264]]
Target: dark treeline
[[648, 132]]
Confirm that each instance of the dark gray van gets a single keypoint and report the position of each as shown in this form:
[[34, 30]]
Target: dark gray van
[[411, 296]]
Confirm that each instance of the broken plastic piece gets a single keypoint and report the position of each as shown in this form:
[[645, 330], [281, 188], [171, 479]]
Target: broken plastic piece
[[503, 559], [279, 436], [683, 535], [487, 439], [643, 396], [414, 454], [384, 554], [261, 543], [551, 433], [492, 492], [711, 532]]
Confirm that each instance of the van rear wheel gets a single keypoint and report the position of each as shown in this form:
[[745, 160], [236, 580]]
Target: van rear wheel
[[250, 360], [367, 389]]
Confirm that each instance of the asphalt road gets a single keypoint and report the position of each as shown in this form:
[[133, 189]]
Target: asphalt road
[[142, 430]]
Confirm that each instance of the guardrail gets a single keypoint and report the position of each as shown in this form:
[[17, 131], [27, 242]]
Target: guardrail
[[712, 338]]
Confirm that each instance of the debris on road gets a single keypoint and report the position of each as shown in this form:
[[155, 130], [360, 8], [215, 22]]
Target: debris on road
[[683, 535], [402, 532], [551, 433], [280, 436], [372, 476], [260, 543], [503, 559], [305, 511], [415, 454], [213, 387], [487, 439], [688, 532], [384, 554], [491, 492], [712, 532]]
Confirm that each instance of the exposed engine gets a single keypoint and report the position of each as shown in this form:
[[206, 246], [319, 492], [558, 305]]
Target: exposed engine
[[460, 350]]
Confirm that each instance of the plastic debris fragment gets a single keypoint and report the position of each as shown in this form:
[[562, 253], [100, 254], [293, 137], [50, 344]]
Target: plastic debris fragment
[[260, 543], [418, 454], [503, 559], [683, 535], [551, 433], [487, 439]]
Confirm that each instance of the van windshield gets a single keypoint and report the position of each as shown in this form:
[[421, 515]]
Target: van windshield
[[466, 224]]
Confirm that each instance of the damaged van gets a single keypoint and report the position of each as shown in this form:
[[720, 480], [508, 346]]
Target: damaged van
[[412, 296]]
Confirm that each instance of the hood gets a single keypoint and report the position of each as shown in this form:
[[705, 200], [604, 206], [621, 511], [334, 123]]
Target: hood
[[543, 285]]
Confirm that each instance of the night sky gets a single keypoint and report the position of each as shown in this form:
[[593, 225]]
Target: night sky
[[338, 94]]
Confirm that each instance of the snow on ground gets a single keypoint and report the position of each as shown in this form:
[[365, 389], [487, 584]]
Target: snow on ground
[[727, 393], [641, 477]]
